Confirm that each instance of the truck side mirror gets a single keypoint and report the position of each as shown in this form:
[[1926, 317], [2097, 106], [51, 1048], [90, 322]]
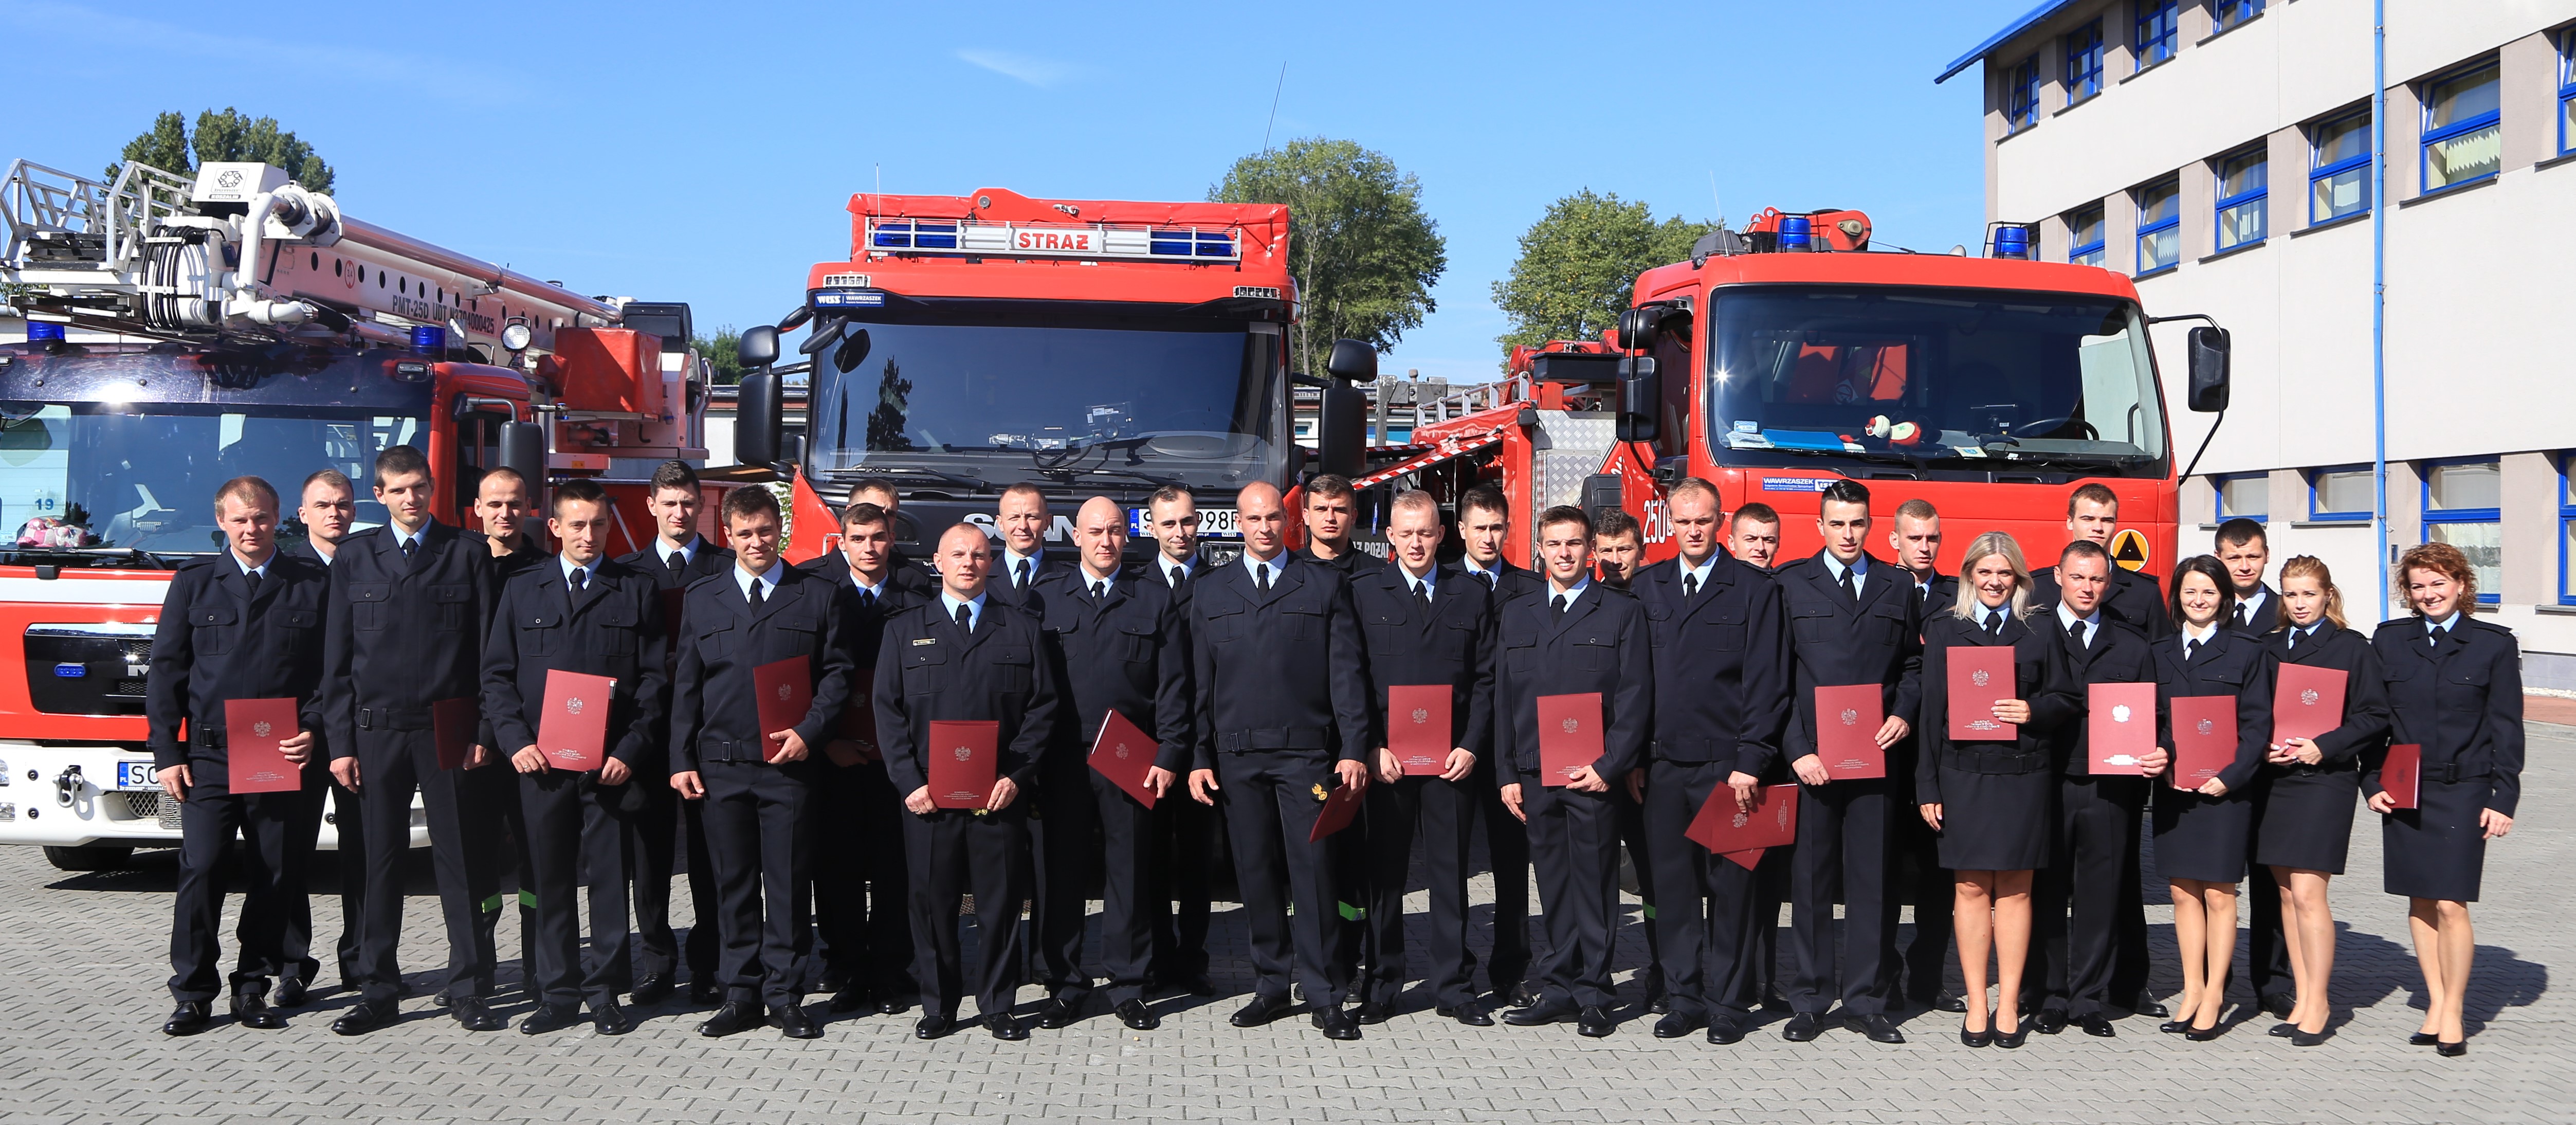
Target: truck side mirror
[[1341, 426], [2208, 350], [1641, 398], [758, 347], [1352, 360], [1637, 327], [523, 451], [757, 426]]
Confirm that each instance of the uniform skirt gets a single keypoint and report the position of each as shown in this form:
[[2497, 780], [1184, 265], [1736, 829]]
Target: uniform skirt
[[2303, 819], [1996, 821], [2436, 850], [2203, 838]]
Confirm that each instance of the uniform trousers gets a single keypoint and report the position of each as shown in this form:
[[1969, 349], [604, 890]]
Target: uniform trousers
[[208, 821], [1270, 806], [1507, 853], [954, 852], [303, 836], [1189, 838], [1445, 815], [1708, 917], [1845, 847], [577, 847], [2082, 904], [1574, 849], [1093, 832], [757, 835], [392, 765], [658, 833], [1632, 836], [861, 907], [1929, 886]]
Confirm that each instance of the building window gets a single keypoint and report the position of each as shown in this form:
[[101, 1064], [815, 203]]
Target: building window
[[2567, 91], [2084, 62], [2159, 227], [2243, 188], [2338, 495], [2232, 14], [2155, 36], [2463, 506], [2462, 137], [2021, 95], [2084, 235], [2339, 175], [2244, 496], [2567, 530]]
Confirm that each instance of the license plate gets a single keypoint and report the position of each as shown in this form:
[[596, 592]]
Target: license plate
[[1218, 521], [137, 775]]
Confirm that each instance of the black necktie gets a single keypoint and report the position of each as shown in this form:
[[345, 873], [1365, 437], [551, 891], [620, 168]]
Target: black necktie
[[409, 544], [1690, 586], [2243, 615], [674, 561], [2075, 633], [1995, 623], [867, 600], [1099, 592], [966, 618], [1176, 574], [2190, 650], [1422, 595], [1851, 589], [1558, 604], [756, 599], [1261, 577], [1020, 576], [250, 578], [1487, 577], [580, 579]]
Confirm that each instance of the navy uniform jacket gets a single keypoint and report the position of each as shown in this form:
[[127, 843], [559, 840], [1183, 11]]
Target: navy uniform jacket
[[403, 634], [1128, 653], [2364, 732], [929, 671], [912, 581], [1277, 671], [2267, 617], [614, 628], [1943, 595], [1602, 644], [1510, 581], [1721, 665], [2117, 654], [2461, 700], [2040, 678], [1878, 640], [216, 642], [2230, 663], [715, 715], [2135, 600], [1353, 564], [998, 588], [1453, 646]]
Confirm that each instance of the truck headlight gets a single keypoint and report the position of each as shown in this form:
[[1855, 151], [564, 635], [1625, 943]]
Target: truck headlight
[[4, 773]]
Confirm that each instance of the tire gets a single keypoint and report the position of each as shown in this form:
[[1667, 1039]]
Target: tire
[[96, 857]]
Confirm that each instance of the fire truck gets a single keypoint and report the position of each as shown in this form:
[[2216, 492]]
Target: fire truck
[[1792, 354], [182, 331]]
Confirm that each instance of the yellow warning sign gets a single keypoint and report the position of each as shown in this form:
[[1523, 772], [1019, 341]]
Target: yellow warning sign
[[2129, 549]]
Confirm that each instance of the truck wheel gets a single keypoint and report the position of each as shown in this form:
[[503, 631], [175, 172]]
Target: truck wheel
[[96, 857]]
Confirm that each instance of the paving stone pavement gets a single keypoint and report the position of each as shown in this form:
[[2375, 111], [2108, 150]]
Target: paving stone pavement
[[83, 965]]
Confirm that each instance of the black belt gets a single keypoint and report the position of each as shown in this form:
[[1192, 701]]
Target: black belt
[[2448, 773], [729, 750], [1274, 738], [1971, 761], [395, 718], [207, 739]]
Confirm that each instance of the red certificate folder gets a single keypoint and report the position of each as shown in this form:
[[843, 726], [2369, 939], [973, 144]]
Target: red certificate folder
[[252, 730], [2120, 728], [2306, 702], [1721, 828], [452, 725], [2400, 775], [786, 690], [1747, 860], [1847, 722], [573, 734], [1123, 754], [1569, 735], [961, 756], [1980, 675], [1418, 728], [1341, 806], [859, 720], [2204, 738]]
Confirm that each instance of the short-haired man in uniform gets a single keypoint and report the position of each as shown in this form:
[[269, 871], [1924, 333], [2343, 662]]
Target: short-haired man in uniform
[[1618, 551], [2245, 550], [2135, 600], [1484, 523], [505, 503], [1618, 547], [965, 657], [757, 784], [907, 577], [327, 506], [245, 624], [862, 907], [1188, 834], [1331, 510], [1283, 716], [595, 617], [1753, 536], [1914, 541], [1021, 518], [1578, 636]]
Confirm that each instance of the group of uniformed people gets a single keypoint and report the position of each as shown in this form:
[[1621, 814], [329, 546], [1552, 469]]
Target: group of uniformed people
[[419, 656]]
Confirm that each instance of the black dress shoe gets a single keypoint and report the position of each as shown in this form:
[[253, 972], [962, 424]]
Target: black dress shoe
[[290, 992], [474, 1015], [550, 1017], [1950, 1002], [1724, 1028], [365, 1016], [889, 1005], [1674, 1025], [1060, 1013], [1876, 1026], [1137, 1016], [1336, 1023], [1552, 1011], [2098, 1026], [1595, 1023], [2012, 1040], [1468, 1014], [2282, 1030], [2050, 1021], [2205, 1034], [2280, 1004], [703, 991], [2423, 1039], [1520, 995], [1005, 1028], [849, 1000], [609, 1019], [792, 1022], [1261, 1011], [2451, 1050], [189, 1018], [652, 988], [832, 980], [2310, 1039], [1975, 1038], [933, 1025], [1197, 984], [734, 1017], [2150, 1009], [1801, 1028], [441, 998], [1371, 1013], [1657, 1001], [251, 1010]]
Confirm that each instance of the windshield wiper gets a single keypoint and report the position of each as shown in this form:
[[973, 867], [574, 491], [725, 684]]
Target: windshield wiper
[[941, 475]]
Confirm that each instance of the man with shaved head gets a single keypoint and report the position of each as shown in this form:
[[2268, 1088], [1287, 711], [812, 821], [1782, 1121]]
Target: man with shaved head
[[1283, 698], [1118, 646]]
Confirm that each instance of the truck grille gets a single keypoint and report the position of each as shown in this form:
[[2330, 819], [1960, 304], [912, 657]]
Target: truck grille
[[87, 668], [150, 806]]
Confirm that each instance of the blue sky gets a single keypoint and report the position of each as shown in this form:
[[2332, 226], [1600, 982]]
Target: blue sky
[[706, 152]]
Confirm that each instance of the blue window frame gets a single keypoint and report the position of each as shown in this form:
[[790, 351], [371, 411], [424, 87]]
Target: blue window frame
[[2244, 195], [2231, 14], [2021, 95], [2343, 493], [2084, 235], [2159, 227], [2154, 40], [2084, 62], [2567, 91], [2243, 496], [2463, 142], [2464, 507], [2339, 171], [2567, 529]]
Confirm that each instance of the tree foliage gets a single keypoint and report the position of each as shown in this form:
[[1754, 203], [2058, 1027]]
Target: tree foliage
[[723, 355], [1579, 263], [229, 135], [1362, 251]]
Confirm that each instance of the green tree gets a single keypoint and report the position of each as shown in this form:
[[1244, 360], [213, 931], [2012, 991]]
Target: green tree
[[1363, 253], [723, 355], [227, 136], [1579, 263]]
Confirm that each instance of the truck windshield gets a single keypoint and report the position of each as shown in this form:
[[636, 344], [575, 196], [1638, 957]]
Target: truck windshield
[[143, 476], [1004, 397], [1956, 373]]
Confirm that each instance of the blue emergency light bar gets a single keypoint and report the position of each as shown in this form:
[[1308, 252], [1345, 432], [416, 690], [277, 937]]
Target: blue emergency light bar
[[1052, 240]]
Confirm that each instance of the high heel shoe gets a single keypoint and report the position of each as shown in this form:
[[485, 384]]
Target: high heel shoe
[[2010, 1040], [2284, 1030], [1975, 1038], [2451, 1050], [2174, 1027], [2423, 1039], [2310, 1039], [2205, 1034]]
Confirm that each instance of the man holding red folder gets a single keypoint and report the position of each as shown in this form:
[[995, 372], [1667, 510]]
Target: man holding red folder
[[1117, 645], [589, 617], [240, 633], [764, 628], [971, 660], [862, 909]]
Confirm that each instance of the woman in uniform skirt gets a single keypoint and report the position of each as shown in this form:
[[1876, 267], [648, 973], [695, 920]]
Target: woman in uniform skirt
[[1993, 802], [2454, 689], [2201, 833], [2303, 815]]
